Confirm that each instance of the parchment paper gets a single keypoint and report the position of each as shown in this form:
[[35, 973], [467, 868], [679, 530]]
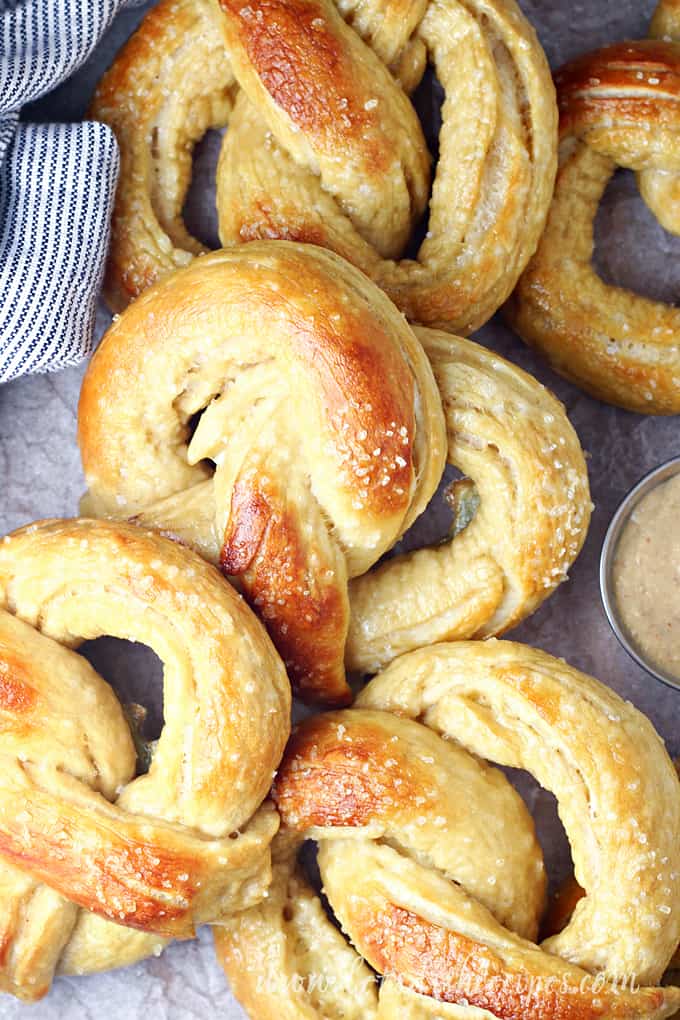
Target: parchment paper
[[40, 477]]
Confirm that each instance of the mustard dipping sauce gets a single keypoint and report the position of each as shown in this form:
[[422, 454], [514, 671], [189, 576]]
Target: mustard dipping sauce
[[646, 576]]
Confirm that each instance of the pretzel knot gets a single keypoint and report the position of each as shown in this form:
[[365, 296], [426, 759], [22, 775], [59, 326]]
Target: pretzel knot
[[99, 868], [324, 146], [430, 863], [619, 106], [270, 406]]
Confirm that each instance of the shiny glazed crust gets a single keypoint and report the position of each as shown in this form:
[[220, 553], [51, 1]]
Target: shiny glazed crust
[[429, 861], [618, 106], [297, 84], [511, 436], [321, 434], [101, 868]]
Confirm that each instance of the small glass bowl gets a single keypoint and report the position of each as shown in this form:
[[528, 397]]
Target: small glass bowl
[[655, 477]]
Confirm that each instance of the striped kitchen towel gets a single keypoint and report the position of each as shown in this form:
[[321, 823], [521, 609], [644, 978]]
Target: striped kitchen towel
[[57, 185]]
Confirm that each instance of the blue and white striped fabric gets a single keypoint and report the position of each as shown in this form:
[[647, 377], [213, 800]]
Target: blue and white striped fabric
[[57, 185]]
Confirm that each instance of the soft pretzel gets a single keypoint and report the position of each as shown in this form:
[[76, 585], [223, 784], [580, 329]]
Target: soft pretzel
[[429, 861], [618, 106], [100, 868], [509, 435], [324, 146], [321, 439], [531, 483]]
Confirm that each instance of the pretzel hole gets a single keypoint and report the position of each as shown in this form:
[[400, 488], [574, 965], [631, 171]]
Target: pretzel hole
[[542, 806], [135, 673], [308, 863], [427, 100], [200, 209], [444, 516], [623, 225], [192, 425]]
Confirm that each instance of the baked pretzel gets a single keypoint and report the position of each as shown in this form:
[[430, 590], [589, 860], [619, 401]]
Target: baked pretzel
[[324, 145], [100, 868], [528, 514], [530, 482], [429, 861], [619, 106], [321, 436]]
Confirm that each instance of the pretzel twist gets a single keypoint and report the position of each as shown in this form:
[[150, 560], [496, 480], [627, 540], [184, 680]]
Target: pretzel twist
[[156, 371], [429, 860], [100, 868], [513, 439], [321, 436], [324, 146], [619, 106]]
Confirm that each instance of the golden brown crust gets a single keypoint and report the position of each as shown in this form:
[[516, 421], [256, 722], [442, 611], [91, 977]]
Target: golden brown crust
[[418, 854], [618, 106], [310, 75], [155, 853], [17, 696], [325, 780], [304, 609], [448, 967], [321, 436], [310, 86]]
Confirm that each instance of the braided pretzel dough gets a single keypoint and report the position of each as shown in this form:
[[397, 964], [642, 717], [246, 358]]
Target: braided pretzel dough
[[619, 106], [429, 861], [324, 146], [320, 414], [510, 435], [100, 869]]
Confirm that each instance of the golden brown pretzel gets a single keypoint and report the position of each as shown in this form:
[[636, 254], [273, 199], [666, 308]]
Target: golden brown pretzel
[[618, 106], [505, 431], [429, 861], [100, 868], [324, 146], [321, 437], [510, 436]]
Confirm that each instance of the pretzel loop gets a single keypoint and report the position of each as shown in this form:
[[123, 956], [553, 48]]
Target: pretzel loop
[[533, 515], [147, 858]]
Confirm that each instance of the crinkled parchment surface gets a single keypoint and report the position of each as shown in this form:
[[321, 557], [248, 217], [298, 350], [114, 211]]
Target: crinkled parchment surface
[[40, 477]]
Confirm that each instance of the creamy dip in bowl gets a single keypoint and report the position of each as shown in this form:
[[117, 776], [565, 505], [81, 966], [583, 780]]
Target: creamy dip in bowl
[[640, 572]]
